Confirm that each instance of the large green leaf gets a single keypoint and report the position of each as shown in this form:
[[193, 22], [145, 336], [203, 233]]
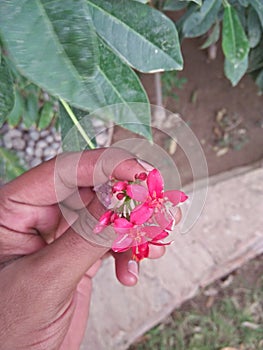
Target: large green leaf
[[200, 21], [234, 72], [10, 166], [142, 36], [54, 45], [254, 29], [175, 5], [120, 85], [258, 6], [7, 98], [234, 41]]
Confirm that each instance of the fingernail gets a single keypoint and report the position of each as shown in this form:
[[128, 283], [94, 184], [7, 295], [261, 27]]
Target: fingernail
[[133, 268], [147, 166]]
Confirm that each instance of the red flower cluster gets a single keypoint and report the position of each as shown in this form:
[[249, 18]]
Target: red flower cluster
[[142, 214]]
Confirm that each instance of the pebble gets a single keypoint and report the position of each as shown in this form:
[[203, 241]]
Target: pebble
[[34, 135], [49, 152], [30, 151], [49, 139], [18, 144], [101, 139], [15, 133], [41, 144], [39, 152], [35, 161], [44, 133]]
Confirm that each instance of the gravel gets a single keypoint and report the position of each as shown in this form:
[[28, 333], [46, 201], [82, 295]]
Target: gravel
[[34, 146]]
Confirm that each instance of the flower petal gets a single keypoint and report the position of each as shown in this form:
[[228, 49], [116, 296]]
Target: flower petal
[[155, 184], [122, 223], [122, 243], [152, 231], [175, 197], [140, 251], [137, 192], [141, 214]]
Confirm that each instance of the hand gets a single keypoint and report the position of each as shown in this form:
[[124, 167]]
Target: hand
[[45, 266]]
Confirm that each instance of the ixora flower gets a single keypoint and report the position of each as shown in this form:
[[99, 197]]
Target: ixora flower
[[142, 213]]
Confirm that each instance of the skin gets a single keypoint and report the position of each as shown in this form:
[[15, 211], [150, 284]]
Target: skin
[[46, 268]]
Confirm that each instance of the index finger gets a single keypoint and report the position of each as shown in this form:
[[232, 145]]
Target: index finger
[[55, 180]]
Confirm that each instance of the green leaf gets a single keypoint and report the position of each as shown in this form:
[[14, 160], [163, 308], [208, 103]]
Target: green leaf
[[254, 28], [10, 167], [7, 98], [234, 72], [258, 6], [244, 3], [142, 36], [142, 1], [53, 44], [256, 58], [72, 140], [213, 37], [259, 80], [15, 115], [200, 21], [31, 110], [120, 85], [46, 115], [175, 5], [234, 41]]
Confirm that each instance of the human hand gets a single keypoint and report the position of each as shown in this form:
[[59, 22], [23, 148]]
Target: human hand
[[45, 266]]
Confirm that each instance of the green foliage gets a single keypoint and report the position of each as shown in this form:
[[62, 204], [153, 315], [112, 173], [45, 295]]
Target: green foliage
[[242, 32], [10, 167], [83, 52], [171, 81], [6, 92]]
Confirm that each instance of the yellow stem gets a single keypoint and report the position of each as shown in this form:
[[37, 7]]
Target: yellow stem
[[77, 124]]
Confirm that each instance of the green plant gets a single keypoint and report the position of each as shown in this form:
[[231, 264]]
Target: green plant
[[170, 81], [242, 32], [82, 53]]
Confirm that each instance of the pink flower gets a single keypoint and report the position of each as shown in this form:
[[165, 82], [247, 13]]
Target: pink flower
[[105, 220], [156, 202], [136, 237]]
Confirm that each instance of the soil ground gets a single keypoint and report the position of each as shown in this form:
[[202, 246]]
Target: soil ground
[[206, 92]]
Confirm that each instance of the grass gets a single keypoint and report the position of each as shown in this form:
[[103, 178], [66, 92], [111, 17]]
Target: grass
[[230, 318]]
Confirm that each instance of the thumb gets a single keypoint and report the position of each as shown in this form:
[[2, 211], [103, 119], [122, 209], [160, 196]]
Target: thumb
[[65, 261]]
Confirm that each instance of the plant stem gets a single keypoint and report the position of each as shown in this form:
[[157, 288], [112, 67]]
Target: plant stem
[[225, 3], [77, 124]]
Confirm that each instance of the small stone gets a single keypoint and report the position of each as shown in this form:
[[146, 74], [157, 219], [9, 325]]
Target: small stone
[[57, 137], [19, 144], [34, 135], [34, 162], [41, 144], [39, 152], [15, 133], [55, 145], [101, 139], [97, 123], [49, 139], [49, 152], [31, 143], [44, 133], [30, 151]]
